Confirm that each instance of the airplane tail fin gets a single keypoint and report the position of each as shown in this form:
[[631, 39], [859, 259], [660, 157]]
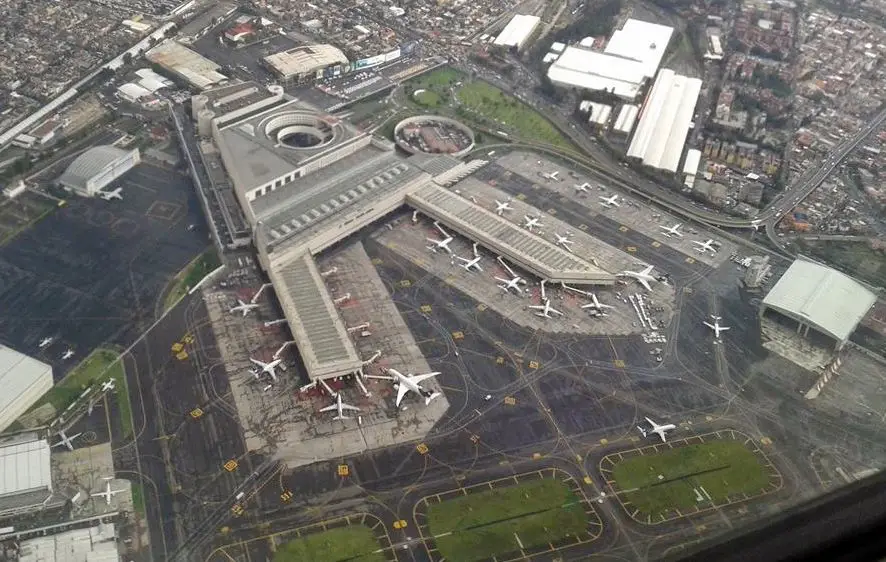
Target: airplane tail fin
[[341, 417], [431, 397]]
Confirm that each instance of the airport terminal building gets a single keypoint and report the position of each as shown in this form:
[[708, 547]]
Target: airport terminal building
[[96, 168]]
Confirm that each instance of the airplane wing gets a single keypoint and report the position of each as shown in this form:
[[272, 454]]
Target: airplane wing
[[401, 392], [329, 408], [662, 435], [645, 283], [555, 311], [257, 362], [112, 492], [724, 328], [536, 307], [709, 325], [652, 423], [349, 407], [418, 378]]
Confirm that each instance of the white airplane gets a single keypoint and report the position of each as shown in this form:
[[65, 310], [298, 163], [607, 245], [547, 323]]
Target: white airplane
[[340, 407], [582, 187], [46, 341], [108, 385], [115, 194], [642, 277], [553, 176], [108, 491], [564, 241], [659, 429], [706, 246], [244, 307], [405, 383], [672, 231], [438, 244], [67, 441], [595, 304], [716, 327], [469, 264], [501, 207], [67, 354], [610, 202], [545, 309], [269, 368], [531, 222]]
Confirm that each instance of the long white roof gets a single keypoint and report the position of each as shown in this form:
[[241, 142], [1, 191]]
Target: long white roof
[[822, 297], [593, 70], [642, 41], [626, 119], [664, 120], [517, 31], [24, 466], [23, 380]]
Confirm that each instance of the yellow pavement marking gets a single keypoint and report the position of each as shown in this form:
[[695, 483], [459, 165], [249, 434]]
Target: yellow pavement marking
[[422, 449], [766, 441], [377, 261], [656, 244], [623, 228], [177, 347], [405, 283], [537, 456], [631, 249], [582, 227], [425, 308], [343, 470], [552, 211], [475, 438], [286, 496], [620, 363], [588, 480], [499, 360], [687, 290], [458, 335], [510, 400], [533, 365], [521, 197], [231, 465], [481, 307], [400, 524], [690, 260], [181, 356], [196, 413], [604, 441]]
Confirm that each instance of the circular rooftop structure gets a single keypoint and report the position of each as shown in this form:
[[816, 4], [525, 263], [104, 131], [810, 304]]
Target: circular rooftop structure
[[432, 134], [300, 130]]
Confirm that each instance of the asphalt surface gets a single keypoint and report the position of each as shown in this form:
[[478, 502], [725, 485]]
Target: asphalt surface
[[90, 273]]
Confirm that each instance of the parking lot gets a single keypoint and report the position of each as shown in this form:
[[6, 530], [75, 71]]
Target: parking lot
[[631, 213]]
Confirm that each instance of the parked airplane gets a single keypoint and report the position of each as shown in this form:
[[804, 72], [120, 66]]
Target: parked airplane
[[706, 246], [340, 407], [595, 304], [501, 207], [67, 354], [564, 241], [553, 176], [672, 231], [513, 283], [108, 385], [469, 264], [531, 222], [582, 187], [438, 244], [406, 383], [546, 309], [642, 277], [716, 327], [67, 441], [115, 194], [269, 368], [610, 202], [659, 429], [244, 307], [46, 341], [108, 491]]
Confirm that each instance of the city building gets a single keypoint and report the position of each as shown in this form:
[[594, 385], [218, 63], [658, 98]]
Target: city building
[[151, 81], [23, 380], [598, 113], [631, 57], [690, 166], [189, 65], [96, 168], [132, 92], [664, 123], [25, 474], [627, 118], [817, 303], [518, 31], [92, 544], [306, 62]]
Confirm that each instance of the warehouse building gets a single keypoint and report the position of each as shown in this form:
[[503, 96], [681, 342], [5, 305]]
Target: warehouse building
[[631, 58], [305, 62], [23, 380], [518, 32], [189, 65], [820, 305], [25, 474], [132, 92], [664, 121], [627, 118], [96, 168], [92, 544]]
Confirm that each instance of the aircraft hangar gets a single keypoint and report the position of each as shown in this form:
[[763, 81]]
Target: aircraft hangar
[[818, 303]]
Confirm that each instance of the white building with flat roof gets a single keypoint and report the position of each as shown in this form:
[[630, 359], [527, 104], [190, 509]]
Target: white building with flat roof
[[518, 31], [627, 118], [664, 121], [631, 57], [25, 474], [23, 380]]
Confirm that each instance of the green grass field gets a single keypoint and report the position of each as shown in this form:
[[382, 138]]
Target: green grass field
[[486, 524], [91, 370], [427, 98], [669, 480], [191, 275], [439, 79], [514, 115], [354, 544]]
